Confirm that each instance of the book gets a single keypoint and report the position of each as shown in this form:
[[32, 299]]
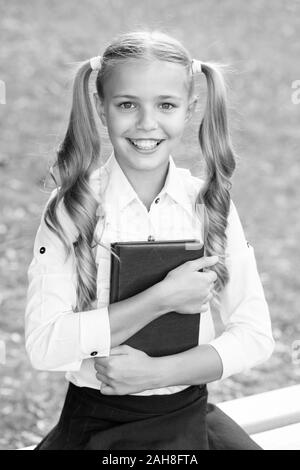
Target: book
[[143, 264]]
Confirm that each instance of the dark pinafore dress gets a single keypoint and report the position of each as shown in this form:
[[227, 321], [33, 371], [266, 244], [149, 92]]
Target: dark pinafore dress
[[180, 421]]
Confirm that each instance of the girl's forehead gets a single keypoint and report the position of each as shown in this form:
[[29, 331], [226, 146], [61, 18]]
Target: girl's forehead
[[140, 77]]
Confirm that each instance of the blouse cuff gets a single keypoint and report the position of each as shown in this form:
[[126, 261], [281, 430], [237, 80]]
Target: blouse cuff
[[231, 354], [94, 330]]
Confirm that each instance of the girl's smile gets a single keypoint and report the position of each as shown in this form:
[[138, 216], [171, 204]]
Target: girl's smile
[[145, 145]]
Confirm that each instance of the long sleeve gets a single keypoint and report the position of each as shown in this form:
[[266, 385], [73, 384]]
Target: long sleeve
[[247, 339], [57, 338]]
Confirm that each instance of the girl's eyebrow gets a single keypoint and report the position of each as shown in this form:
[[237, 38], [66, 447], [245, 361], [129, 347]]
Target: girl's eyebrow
[[163, 97]]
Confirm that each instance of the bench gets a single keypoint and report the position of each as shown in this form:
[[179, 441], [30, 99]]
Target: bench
[[271, 418]]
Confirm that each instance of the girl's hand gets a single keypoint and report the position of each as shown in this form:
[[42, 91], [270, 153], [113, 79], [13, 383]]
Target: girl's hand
[[188, 291], [126, 370]]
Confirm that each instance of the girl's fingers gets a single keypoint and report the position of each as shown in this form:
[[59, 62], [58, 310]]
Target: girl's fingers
[[207, 298], [210, 296], [99, 367], [101, 378], [201, 263], [204, 307]]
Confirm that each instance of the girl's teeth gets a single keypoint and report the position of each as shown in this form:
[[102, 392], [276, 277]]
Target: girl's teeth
[[145, 144]]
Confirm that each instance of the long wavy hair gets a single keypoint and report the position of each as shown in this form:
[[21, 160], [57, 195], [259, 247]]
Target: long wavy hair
[[79, 153]]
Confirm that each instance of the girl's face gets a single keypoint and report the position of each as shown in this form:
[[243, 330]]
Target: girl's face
[[145, 110]]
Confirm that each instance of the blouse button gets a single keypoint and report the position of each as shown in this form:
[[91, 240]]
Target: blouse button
[[42, 250], [157, 200], [94, 353]]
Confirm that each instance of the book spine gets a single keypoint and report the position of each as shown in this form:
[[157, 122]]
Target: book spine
[[114, 276]]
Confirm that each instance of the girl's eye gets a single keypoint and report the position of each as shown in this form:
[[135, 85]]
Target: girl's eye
[[125, 107], [168, 104]]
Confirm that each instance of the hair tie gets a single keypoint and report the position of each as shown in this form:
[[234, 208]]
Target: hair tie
[[95, 62], [196, 66]]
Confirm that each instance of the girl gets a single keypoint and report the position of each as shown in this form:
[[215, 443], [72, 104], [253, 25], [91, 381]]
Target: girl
[[119, 397]]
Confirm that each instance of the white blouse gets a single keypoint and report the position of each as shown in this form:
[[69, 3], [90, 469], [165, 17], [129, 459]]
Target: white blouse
[[60, 340]]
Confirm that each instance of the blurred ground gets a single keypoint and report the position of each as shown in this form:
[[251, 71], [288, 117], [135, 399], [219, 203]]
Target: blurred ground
[[258, 38]]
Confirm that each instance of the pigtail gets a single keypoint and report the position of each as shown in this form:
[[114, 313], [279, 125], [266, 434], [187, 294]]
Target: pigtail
[[76, 159], [220, 164]]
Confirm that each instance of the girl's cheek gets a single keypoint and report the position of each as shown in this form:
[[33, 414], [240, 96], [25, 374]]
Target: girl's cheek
[[177, 125], [119, 118]]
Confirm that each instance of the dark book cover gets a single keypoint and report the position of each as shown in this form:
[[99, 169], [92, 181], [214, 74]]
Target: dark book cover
[[143, 264]]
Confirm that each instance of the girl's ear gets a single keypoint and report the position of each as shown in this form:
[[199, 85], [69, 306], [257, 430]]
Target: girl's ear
[[100, 108], [191, 109]]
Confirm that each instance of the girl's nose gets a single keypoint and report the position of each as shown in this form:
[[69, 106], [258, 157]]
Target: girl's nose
[[147, 121]]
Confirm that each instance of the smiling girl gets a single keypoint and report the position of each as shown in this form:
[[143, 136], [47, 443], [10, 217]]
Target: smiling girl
[[119, 397]]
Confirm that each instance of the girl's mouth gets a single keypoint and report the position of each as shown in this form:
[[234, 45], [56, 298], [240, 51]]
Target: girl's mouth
[[145, 145]]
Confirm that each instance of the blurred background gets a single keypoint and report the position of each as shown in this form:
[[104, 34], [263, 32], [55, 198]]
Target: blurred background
[[39, 41]]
